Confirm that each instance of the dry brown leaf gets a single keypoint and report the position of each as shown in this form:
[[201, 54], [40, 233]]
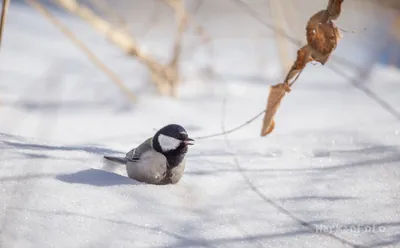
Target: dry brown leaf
[[276, 94], [322, 34], [322, 38]]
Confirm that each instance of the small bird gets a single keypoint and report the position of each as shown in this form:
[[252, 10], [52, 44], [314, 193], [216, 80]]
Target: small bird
[[158, 160]]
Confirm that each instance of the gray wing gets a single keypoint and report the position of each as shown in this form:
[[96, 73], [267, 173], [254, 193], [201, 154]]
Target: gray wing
[[136, 153]]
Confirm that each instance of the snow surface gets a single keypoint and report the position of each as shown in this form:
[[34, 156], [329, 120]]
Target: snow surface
[[332, 162]]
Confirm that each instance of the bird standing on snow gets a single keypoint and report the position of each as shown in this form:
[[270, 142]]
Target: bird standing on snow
[[160, 159]]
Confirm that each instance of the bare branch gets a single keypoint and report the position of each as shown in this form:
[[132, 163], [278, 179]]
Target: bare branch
[[233, 129]]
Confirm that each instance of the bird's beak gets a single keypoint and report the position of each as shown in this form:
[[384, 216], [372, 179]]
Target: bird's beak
[[189, 141]]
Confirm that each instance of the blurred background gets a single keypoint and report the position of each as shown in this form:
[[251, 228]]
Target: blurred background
[[68, 55], [81, 79], [244, 30]]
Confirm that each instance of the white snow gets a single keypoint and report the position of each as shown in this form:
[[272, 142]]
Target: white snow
[[332, 163]]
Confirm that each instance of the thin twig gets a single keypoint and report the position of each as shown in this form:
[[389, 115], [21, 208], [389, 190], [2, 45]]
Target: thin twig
[[90, 55], [248, 121], [231, 130], [4, 11]]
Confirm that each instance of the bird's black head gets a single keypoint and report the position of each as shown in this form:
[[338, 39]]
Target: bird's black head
[[172, 141]]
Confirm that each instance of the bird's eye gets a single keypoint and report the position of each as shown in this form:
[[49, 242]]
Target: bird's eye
[[184, 135]]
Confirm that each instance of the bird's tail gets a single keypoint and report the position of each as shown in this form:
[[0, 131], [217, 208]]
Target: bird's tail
[[116, 159]]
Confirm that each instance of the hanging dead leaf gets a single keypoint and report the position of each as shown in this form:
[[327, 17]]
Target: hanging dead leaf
[[278, 91], [322, 39], [322, 36], [276, 94]]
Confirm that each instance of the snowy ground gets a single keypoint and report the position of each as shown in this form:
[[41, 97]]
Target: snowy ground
[[328, 176]]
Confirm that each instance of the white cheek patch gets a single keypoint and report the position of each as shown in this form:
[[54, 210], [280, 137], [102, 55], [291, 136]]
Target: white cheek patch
[[168, 143]]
